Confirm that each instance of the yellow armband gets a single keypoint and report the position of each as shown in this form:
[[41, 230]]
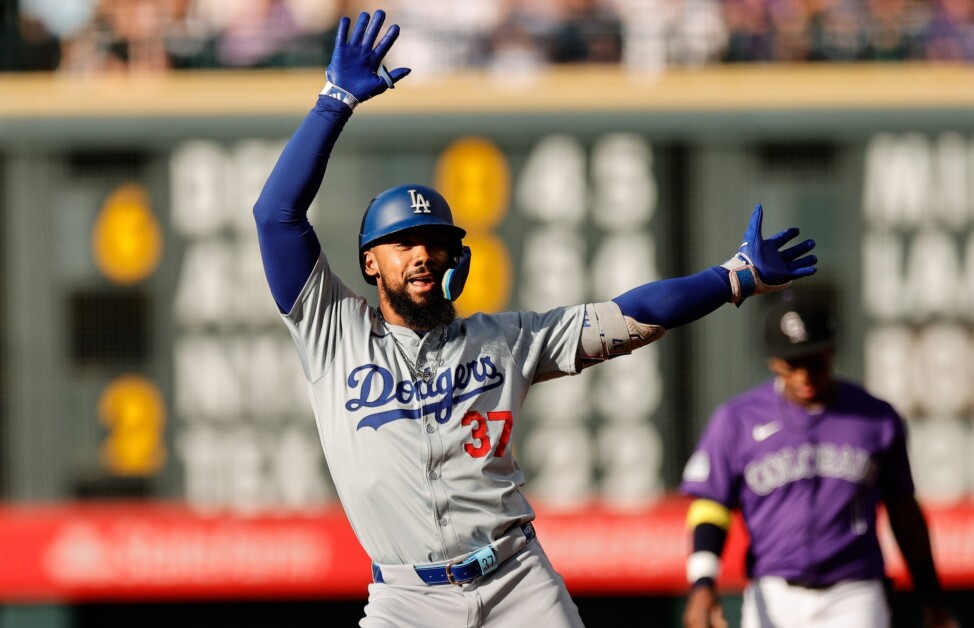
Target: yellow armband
[[708, 511]]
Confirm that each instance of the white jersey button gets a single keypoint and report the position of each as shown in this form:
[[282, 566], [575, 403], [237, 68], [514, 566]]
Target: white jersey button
[[442, 521], [430, 429], [433, 475]]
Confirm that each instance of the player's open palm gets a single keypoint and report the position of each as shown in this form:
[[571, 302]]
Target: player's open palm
[[760, 265], [704, 610], [356, 63], [775, 266]]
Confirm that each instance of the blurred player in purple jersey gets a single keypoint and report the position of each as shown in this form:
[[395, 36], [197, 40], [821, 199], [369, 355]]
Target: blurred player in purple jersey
[[806, 457]]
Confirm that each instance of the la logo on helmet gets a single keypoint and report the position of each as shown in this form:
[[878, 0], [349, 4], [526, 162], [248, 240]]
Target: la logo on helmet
[[419, 203]]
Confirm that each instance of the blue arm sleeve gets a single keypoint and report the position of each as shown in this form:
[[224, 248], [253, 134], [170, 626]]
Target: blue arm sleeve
[[288, 244], [670, 303]]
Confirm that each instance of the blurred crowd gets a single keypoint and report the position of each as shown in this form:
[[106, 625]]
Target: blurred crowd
[[86, 36]]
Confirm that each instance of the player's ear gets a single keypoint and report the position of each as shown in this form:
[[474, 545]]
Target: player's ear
[[369, 264], [778, 366]]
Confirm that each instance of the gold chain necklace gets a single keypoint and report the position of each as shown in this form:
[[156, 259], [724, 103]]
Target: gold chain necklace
[[426, 375]]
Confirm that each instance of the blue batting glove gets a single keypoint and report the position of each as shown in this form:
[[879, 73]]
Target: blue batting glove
[[761, 266], [356, 68]]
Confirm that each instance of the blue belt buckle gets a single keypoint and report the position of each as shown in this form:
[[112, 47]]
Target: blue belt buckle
[[485, 558]]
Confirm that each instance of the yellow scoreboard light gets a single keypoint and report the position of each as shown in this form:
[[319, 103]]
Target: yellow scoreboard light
[[488, 287], [127, 240], [473, 175], [134, 413]]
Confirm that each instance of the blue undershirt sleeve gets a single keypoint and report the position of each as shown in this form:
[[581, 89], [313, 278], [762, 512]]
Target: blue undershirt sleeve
[[673, 302], [289, 247]]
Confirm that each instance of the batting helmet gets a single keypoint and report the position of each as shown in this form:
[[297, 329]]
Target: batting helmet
[[407, 207]]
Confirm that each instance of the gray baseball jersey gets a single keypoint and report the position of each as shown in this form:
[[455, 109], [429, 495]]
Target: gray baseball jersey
[[425, 471], [807, 484]]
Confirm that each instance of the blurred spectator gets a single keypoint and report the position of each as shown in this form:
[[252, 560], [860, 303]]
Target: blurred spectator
[[840, 30], [888, 31], [441, 36], [950, 36], [42, 26], [588, 31], [505, 36], [251, 33], [517, 45], [26, 43], [697, 33], [749, 30], [315, 20], [661, 33], [61, 18], [190, 40], [123, 35], [790, 33], [135, 34]]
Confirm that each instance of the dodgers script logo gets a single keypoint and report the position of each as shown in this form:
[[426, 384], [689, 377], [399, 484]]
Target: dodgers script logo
[[376, 388]]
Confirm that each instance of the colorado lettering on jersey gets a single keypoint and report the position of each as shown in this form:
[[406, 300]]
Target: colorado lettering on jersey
[[787, 465], [376, 387]]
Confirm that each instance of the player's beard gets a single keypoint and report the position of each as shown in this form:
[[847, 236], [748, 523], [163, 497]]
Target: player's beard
[[432, 311]]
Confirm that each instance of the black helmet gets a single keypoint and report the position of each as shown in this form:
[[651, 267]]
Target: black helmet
[[798, 327]]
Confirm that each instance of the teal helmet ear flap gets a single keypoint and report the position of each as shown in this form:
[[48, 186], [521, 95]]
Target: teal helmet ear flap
[[456, 277]]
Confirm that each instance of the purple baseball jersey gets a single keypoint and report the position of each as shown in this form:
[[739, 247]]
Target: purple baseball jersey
[[807, 484]]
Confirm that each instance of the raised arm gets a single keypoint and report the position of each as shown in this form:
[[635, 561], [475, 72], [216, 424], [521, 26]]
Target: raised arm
[[643, 314], [288, 245], [759, 266]]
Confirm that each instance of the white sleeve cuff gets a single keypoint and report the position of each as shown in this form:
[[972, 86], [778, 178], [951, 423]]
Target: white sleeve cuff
[[702, 565]]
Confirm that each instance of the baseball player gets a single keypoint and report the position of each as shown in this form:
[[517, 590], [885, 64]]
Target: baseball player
[[806, 457], [415, 408]]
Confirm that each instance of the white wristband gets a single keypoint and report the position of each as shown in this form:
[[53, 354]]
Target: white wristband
[[334, 91], [702, 565]]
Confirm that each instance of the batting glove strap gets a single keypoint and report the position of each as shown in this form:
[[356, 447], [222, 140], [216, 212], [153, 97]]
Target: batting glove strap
[[745, 281], [334, 91]]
